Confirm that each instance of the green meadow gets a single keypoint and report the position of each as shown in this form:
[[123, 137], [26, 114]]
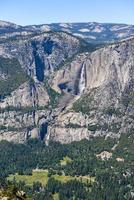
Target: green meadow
[[42, 177]]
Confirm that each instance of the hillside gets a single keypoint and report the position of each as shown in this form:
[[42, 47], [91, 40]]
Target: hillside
[[56, 86]]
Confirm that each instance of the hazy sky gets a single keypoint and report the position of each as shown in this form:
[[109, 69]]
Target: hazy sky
[[25, 12]]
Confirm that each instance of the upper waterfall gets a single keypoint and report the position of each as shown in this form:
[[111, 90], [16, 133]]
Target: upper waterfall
[[82, 81]]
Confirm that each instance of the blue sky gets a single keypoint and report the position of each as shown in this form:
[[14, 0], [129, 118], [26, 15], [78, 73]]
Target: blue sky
[[26, 12]]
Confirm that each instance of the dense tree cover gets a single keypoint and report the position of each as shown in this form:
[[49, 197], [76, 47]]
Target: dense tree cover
[[14, 76], [22, 158], [113, 179], [70, 190]]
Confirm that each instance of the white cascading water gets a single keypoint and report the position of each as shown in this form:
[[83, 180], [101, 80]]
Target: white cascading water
[[82, 82]]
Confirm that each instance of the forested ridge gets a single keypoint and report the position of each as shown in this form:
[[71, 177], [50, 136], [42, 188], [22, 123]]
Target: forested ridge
[[13, 76]]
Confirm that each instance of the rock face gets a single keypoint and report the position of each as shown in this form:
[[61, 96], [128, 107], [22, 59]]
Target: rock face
[[105, 106], [27, 95], [21, 124], [40, 55], [69, 95]]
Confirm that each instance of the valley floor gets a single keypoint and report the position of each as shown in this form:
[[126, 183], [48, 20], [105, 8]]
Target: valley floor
[[42, 176]]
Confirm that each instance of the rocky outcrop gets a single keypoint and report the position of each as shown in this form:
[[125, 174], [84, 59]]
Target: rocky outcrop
[[13, 136], [23, 123], [67, 135], [27, 95]]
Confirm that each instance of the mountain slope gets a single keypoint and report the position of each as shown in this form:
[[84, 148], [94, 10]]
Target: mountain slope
[[73, 89], [56, 88], [24, 109]]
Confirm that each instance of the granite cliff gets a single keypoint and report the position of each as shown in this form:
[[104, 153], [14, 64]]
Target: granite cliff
[[70, 89], [103, 102]]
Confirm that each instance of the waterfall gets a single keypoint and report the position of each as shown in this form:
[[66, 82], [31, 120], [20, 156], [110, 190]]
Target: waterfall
[[82, 81]]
